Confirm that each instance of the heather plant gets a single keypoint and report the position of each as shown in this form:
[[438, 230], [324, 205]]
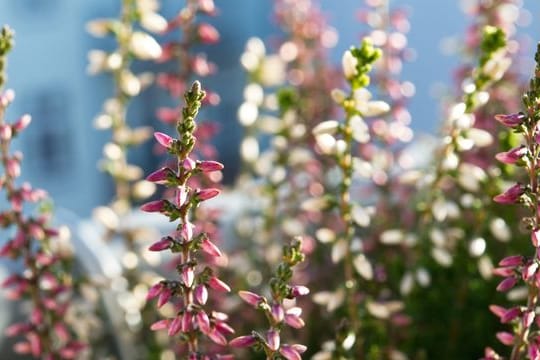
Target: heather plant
[[280, 311], [184, 62], [523, 339], [191, 319], [45, 281], [336, 140]]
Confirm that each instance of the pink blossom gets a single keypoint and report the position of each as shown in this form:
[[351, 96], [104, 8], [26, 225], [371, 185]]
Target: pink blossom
[[206, 194], [160, 325], [289, 353], [511, 195], [203, 321], [163, 244], [163, 139], [217, 337], [210, 248], [161, 176], [512, 156], [209, 166], [5, 132], [535, 237], [273, 339], [299, 290], [187, 276], [218, 285], [22, 123], [278, 314], [511, 120], [528, 318], [507, 284], [201, 294], [154, 206], [154, 291], [243, 341], [514, 260], [510, 315], [251, 298], [164, 296], [529, 270], [208, 34], [175, 326], [505, 337]]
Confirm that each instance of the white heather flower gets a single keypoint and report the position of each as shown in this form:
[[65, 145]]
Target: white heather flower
[[129, 83], [145, 6], [144, 46], [500, 230], [450, 161], [363, 267], [391, 237], [256, 46], [96, 61], [497, 66], [326, 127], [338, 95], [153, 22], [360, 130], [315, 204], [406, 284], [339, 250], [349, 63], [114, 61], [423, 277], [326, 143], [249, 149], [272, 71], [375, 108], [480, 137], [442, 257], [98, 27]]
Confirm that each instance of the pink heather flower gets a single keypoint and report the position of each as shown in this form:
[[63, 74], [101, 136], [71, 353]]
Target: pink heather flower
[[512, 156], [490, 354], [503, 271], [207, 6], [223, 327], [160, 325], [163, 139], [161, 176], [511, 120], [181, 196], [187, 231], [210, 248], [510, 315], [5, 132], [13, 168], [161, 245], [201, 294], [251, 298], [209, 166], [511, 195], [208, 34], [218, 285], [187, 320], [164, 296], [188, 276], [243, 341], [528, 318], [529, 270], [535, 237], [278, 314], [505, 337], [206, 194], [175, 326], [154, 291], [273, 339], [7, 97], [217, 337], [514, 260], [153, 206], [294, 321], [507, 284], [299, 290], [499, 311], [289, 353], [189, 164], [22, 123], [16, 329], [204, 322]]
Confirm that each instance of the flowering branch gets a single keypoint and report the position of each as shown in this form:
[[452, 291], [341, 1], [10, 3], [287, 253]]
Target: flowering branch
[[191, 290], [357, 62], [525, 340], [44, 281], [275, 311], [132, 44]]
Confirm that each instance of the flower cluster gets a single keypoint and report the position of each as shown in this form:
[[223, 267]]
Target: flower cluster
[[45, 282], [276, 311], [337, 140], [188, 63], [190, 291], [524, 340], [132, 43]]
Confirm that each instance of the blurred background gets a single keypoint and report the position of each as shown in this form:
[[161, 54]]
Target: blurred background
[[47, 69]]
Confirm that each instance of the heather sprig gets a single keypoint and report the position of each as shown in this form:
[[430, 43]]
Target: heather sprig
[[132, 44], [276, 311], [524, 337], [337, 140], [45, 281], [190, 291]]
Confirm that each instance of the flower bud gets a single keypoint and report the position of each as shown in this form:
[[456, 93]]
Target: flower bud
[[5, 132], [208, 34], [175, 326], [163, 244], [349, 64], [163, 139], [22, 123], [511, 120], [209, 166], [507, 284], [511, 195], [144, 46], [206, 194], [154, 206], [201, 294], [512, 156], [273, 340], [243, 341], [251, 298], [218, 285], [210, 248]]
